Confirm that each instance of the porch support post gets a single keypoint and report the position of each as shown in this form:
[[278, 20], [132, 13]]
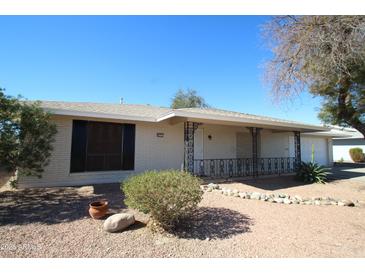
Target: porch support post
[[189, 129], [254, 133], [298, 157]]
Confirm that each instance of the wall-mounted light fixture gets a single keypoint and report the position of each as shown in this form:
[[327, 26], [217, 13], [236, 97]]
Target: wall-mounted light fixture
[[160, 134]]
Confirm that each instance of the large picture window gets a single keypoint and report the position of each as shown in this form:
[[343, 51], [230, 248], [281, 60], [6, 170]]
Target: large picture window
[[100, 146]]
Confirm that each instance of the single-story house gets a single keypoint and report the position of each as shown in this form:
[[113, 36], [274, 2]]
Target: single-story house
[[104, 143], [343, 144]]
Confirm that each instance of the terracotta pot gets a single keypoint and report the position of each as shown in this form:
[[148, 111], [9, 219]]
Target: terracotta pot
[[98, 209]]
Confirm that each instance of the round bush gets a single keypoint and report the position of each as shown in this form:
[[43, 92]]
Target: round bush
[[357, 154], [168, 196]]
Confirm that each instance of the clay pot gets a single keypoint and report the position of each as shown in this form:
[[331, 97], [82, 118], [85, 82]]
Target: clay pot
[[98, 209]]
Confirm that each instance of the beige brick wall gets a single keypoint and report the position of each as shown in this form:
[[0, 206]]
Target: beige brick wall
[[151, 152]]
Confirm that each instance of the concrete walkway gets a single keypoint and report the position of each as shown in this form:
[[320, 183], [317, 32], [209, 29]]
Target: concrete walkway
[[341, 172]]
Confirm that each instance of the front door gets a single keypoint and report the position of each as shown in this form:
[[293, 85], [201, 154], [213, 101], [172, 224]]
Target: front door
[[199, 144]]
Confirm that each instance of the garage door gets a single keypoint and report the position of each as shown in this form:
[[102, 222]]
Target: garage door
[[320, 149]]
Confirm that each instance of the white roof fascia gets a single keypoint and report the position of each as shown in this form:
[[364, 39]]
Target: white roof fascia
[[327, 134], [168, 115], [181, 113], [98, 115]]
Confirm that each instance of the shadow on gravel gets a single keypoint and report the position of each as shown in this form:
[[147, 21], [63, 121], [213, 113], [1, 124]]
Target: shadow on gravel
[[273, 183], [213, 223], [54, 205], [346, 171]]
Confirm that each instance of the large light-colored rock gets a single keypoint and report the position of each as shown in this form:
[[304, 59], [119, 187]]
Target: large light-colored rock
[[118, 222]]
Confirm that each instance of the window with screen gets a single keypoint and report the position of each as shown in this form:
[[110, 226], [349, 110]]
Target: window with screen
[[100, 146]]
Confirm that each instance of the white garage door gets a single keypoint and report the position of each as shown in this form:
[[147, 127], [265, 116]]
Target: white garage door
[[320, 149]]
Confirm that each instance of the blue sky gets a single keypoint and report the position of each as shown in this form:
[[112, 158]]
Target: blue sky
[[144, 59]]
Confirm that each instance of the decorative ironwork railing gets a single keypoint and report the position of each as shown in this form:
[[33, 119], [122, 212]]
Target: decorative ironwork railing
[[276, 165], [241, 167]]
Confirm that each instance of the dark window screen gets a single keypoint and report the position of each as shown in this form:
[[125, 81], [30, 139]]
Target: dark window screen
[[100, 146]]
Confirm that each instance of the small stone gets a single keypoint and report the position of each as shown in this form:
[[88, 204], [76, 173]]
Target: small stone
[[326, 202], [213, 186], [235, 193], [242, 195], [317, 202], [282, 195], [348, 203], [279, 200], [271, 200], [118, 222], [295, 201], [308, 202], [298, 198], [209, 189], [333, 202], [263, 197], [287, 201], [255, 196]]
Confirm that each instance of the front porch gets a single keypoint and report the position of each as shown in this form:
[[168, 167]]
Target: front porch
[[226, 151], [242, 167]]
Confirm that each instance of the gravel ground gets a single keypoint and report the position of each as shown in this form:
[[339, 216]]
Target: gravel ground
[[54, 223]]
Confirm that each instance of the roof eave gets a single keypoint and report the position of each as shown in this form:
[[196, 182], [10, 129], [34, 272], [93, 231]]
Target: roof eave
[[260, 122], [98, 115]]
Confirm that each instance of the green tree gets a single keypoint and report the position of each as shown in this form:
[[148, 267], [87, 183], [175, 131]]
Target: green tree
[[26, 136], [324, 55], [188, 99]]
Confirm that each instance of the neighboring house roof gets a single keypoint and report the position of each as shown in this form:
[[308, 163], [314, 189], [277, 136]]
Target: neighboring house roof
[[347, 132], [156, 114]]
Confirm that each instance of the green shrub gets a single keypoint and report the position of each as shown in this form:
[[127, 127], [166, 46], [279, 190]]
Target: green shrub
[[312, 173], [168, 196], [356, 154]]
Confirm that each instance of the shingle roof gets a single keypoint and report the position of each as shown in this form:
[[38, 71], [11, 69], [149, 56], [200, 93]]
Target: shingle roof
[[154, 114], [142, 111], [228, 113]]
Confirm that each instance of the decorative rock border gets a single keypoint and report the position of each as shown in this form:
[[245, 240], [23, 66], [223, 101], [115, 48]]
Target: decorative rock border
[[279, 198]]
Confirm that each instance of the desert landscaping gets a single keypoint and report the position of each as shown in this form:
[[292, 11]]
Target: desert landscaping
[[53, 222]]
